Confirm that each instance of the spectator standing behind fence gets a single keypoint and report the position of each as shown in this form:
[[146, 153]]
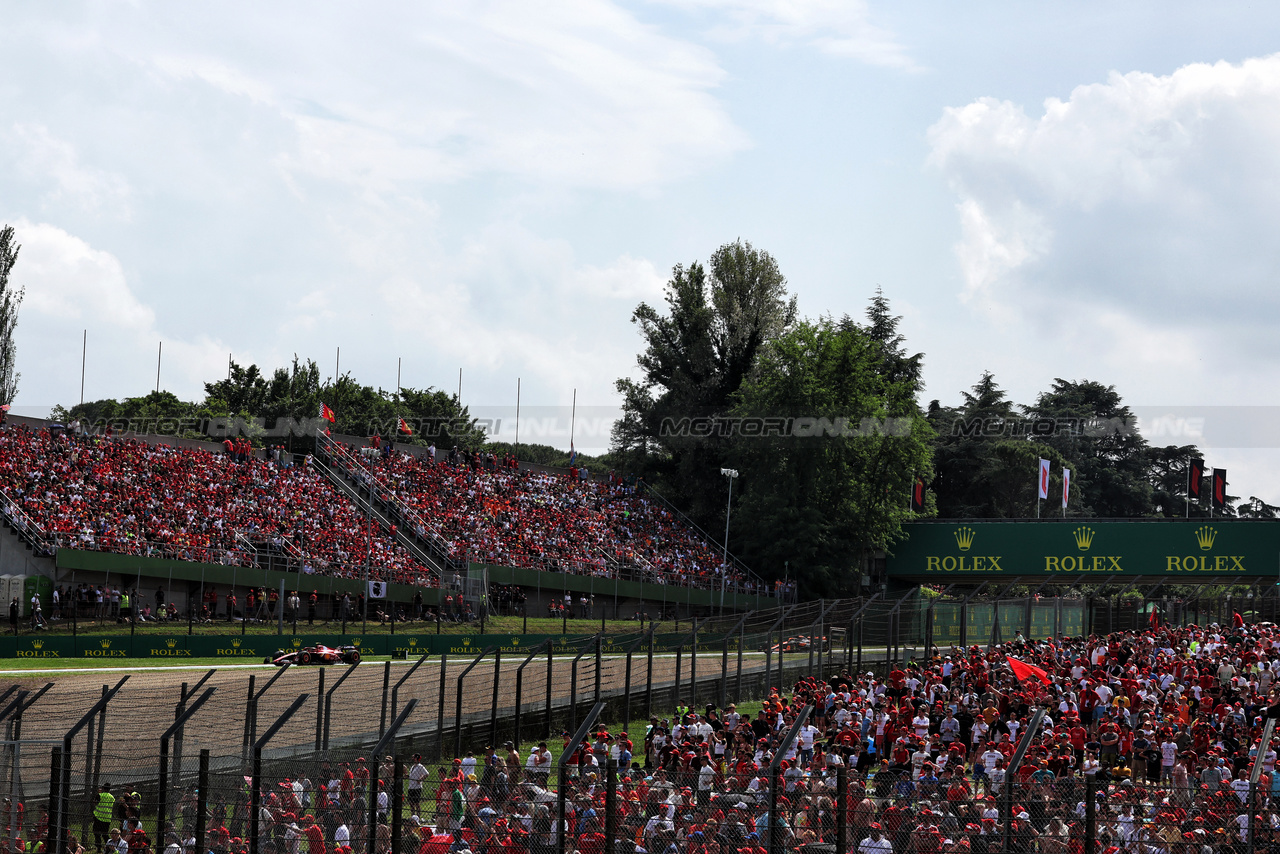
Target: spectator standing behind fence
[[103, 813]]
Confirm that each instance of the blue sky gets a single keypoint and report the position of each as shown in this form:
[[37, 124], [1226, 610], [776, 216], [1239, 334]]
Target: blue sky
[[1042, 190]]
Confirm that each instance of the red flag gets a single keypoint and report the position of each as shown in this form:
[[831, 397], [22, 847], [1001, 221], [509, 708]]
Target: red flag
[[1026, 671], [1154, 619], [1044, 478], [326, 413], [917, 496], [403, 426], [1237, 621], [1195, 474], [1219, 495]]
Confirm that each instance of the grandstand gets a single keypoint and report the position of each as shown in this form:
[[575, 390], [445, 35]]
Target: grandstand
[[348, 512]]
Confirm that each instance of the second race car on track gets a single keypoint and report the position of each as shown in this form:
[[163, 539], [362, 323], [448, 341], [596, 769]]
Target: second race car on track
[[318, 654]]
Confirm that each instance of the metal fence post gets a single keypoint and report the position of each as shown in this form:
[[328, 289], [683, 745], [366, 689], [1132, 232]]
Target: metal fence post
[[328, 706], [842, 807], [742, 641], [444, 666], [493, 708], [561, 831], [626, 691], [570, 749], [255, 794], [610, 805], [374, 769], [386, 692], [395, 689], [1090, 808], [319, 712], [599, 664], [774, 842], [457, 714], [520, 690], [55, 798], [162, 796], [550, 655], [693, 666], [248, 707], [397, 803], [648, 691], [676, 699], [202, 800]]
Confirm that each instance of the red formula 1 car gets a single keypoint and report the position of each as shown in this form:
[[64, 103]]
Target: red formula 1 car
[[799, 643], [318, 654]]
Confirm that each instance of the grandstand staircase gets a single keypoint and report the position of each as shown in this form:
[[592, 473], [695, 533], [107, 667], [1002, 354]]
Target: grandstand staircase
[[338, 467], [25, 547]]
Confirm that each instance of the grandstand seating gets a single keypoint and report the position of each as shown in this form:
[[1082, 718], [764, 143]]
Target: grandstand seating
[[133, 498], [490, 513], [130, 497]]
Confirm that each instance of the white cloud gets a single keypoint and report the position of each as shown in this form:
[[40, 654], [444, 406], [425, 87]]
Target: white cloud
[[578, 93], [837, 27], [1137, 214], [68, 280], [71, 286], [54, 165]]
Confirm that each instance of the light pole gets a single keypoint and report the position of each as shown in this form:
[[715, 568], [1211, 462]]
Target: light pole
[[724, 563]]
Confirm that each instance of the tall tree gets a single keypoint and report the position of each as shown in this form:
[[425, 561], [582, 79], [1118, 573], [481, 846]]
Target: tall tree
[[836, 486], [1087, 423], [696, 356], [10, 301], [986, 463]]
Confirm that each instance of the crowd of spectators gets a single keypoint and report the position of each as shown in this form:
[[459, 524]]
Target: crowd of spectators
[[1161, 726], [487, 510], [130, 497]]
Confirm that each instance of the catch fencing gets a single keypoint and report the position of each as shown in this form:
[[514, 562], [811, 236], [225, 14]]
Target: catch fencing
[[171, 751]]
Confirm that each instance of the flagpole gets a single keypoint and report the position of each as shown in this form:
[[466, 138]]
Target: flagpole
[[398, 359], [517, 412], [573, 418]]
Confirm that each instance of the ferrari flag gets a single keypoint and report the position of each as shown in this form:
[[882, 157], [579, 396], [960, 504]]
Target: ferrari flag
[[326, 413], [1026, 671], [1044, 478], [917, 495]]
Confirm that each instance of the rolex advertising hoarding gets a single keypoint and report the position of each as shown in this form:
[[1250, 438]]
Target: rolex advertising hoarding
[[1181, 550]]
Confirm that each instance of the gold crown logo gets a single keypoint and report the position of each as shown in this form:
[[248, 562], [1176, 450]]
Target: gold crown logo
[[563, 639], [37, 644], [413, 641], [964, 538], [170, 642], [106, 644], [355, 641], [466, 641], [236, 643], [1205, 537], [297, 642], [1083, 537], [515, 641]]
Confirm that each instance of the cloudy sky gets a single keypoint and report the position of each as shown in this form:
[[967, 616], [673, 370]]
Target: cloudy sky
[[1086, 190]]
